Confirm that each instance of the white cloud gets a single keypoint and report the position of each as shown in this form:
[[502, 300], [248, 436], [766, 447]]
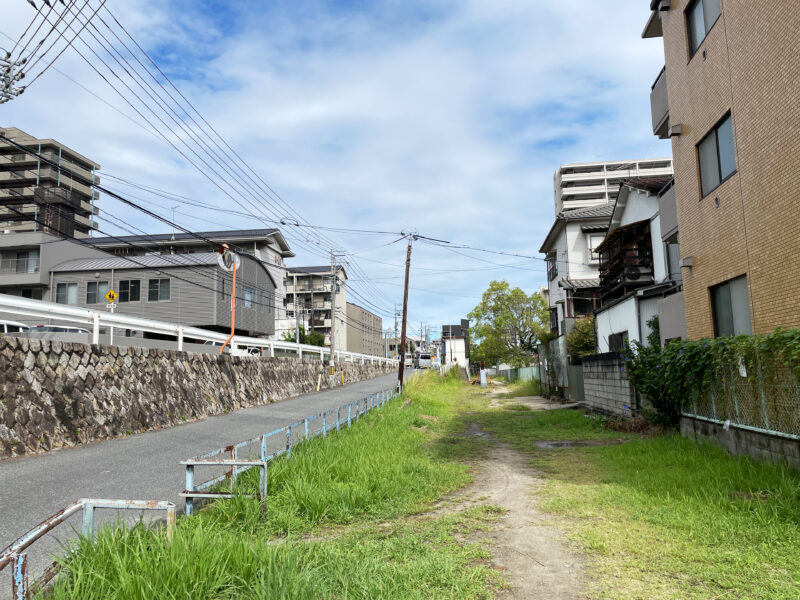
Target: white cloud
[[452, 124]]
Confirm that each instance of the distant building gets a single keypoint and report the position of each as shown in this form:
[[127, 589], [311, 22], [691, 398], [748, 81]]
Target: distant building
[[455, 343], [37, 196], [582, 185], [364, 331], [309, 298]]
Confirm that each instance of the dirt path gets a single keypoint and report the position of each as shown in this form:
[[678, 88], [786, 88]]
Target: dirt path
[[529, 552]]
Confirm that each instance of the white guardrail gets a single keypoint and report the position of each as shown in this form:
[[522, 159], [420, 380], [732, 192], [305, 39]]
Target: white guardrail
[[95, 319]]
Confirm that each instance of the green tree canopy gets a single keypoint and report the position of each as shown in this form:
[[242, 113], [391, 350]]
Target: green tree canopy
[[312, 338], [508, 324]]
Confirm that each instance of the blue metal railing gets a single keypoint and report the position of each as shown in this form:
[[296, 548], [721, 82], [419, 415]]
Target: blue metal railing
[[270, 446]]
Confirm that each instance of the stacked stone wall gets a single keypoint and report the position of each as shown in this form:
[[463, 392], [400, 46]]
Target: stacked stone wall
[[56, 394]]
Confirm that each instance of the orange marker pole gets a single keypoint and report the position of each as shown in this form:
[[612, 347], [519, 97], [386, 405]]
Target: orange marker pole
[[233, 310]]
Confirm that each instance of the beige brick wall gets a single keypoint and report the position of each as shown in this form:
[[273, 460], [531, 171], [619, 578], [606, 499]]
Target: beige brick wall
[[751, 68]]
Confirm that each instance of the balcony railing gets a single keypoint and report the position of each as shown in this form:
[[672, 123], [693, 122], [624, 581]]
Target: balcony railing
[[19, 265], [659, 105], [552, 270]]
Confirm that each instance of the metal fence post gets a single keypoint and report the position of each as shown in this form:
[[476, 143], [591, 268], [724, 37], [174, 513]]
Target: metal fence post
[[189, 501], [234, 456], [288, 441], [734, 394], [88, 520], [338, 417], [95, 328], [19, 584], [262, 482], [305, 421], [324, 425], [349, 407], [761, 392]]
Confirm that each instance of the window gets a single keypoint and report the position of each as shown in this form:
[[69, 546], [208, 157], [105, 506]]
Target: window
[[158, 289], [67, 293], [617, 341], [716, 155], [552, 268], [28, 261], [249, 297], [700, 18], [96, 291], [129, 290], [730, 307], [593, 242], [32, 293]]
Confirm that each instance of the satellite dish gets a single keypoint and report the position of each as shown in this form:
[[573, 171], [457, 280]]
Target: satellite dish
[[227, 259]]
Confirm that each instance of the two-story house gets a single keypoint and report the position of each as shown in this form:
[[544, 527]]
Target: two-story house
[[637, 268], [573, 275]]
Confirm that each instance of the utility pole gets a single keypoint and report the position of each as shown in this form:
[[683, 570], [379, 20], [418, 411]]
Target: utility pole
[[405, 315], [333, 311]]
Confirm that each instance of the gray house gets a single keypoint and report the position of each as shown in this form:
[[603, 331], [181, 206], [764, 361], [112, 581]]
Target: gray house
[[189, 289]]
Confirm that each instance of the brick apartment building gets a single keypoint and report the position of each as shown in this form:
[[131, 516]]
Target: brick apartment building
[[728, 99]]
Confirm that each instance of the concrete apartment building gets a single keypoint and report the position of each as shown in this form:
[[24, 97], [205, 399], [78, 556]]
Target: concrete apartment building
[[37, 196], [267, 246], [582, 185], [364, 331], [309, 301], [727, 98]]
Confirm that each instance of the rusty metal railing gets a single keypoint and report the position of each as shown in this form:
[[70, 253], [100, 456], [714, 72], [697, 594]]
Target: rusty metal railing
[[228, 457], [15, 554]]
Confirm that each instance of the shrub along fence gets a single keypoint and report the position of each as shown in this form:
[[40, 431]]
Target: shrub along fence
[[748, 383]]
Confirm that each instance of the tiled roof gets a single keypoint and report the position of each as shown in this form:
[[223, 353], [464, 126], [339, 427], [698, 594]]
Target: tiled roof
[[589, 212]]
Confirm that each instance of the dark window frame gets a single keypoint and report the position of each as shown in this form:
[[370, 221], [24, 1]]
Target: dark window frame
[[715, 132], [159, 290], [688, 22], [125, 290], [66, 287], [97, 296], [716, 317]]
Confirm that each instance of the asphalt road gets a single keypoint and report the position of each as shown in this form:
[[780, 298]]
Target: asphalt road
[[139, 467]]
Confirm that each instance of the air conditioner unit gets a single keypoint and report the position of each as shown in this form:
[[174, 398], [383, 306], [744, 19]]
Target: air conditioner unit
[[638, 274]]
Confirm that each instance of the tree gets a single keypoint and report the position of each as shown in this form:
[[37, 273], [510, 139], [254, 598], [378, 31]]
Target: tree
[[580, 341], [312, 338], [509, 324]]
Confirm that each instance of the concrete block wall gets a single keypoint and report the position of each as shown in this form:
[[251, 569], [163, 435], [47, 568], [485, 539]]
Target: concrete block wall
[[743, 442], [605, 384], [59, 394]]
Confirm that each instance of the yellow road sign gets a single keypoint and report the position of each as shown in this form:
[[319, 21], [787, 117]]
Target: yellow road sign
[[111, 296]]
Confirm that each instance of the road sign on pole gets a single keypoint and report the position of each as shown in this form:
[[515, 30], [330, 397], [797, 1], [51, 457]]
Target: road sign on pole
[[111, 296]]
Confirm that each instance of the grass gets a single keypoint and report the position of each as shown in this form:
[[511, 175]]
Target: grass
[[340, 521], [522, 388], [663, 517]]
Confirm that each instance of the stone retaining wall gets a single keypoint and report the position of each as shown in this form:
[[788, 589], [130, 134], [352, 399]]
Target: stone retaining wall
[[55, 394]]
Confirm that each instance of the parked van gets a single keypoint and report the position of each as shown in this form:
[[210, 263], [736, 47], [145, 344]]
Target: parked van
[[409, 362], [12, 327]]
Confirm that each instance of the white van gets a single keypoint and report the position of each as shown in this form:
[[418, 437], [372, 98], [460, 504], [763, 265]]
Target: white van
[[13, 327]]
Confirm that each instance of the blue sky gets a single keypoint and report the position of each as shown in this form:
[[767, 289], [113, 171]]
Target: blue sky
[[444, 117]]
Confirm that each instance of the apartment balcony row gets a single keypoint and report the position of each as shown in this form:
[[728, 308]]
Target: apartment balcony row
[[615, 171], [308, 306], [659, 105], [31, 212], [291, 289], [33, 175], [80, 201], [20, 159], [319, 322]]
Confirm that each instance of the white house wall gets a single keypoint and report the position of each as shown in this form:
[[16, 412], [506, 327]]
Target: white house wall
[[616, 319], [558, 295], [579, 259]]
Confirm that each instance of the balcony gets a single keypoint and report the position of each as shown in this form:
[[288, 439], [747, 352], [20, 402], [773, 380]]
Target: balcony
[[659, 106], [668, 212], [19, 266]]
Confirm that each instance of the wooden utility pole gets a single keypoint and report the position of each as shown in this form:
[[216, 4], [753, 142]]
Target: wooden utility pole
[[405, 316]]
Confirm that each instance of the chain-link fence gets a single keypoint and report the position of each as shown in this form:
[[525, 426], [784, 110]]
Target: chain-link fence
[[764, 396]]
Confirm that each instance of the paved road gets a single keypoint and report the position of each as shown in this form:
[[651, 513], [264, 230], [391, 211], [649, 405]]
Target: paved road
[[142, 467]]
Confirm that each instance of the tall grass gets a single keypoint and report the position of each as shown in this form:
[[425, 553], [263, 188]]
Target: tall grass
[[384, 467]]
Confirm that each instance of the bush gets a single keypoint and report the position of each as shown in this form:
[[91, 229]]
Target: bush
[[580, 341]]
